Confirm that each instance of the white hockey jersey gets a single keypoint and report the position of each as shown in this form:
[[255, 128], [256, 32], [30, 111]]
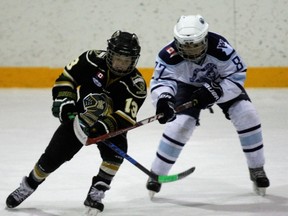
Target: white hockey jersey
[[222, 64]]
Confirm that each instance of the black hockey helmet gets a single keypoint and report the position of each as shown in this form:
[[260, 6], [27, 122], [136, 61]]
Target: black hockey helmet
[[123, 52]]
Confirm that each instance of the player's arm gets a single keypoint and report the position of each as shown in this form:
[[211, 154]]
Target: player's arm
[[64, 93], [163, 89], [233, 77]]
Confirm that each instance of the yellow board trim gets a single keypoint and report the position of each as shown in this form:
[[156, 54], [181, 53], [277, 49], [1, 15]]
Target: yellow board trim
[[44, 77], [267, 77]]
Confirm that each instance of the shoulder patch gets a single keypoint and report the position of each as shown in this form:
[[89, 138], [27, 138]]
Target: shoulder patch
[[139, 84], [225, 47], [219, 47], [170, 55], [171, 51]]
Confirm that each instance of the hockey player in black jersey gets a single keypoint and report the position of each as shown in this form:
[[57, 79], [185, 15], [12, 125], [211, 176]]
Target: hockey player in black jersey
[[202, 67], [97, 93]]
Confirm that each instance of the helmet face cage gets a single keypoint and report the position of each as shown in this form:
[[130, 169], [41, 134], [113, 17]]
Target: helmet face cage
[[194, 52], [123, 52], [190, 35]]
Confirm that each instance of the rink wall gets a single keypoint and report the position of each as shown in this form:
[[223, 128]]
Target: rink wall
[[37, 40]]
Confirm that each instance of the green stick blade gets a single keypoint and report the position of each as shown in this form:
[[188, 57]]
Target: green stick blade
[[171, 178]]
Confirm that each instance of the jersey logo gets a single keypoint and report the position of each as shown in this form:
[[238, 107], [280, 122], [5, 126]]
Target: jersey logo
[[171, 51], [100, 75], [96, 82], [95, 105], [225, 47], [201, 75]]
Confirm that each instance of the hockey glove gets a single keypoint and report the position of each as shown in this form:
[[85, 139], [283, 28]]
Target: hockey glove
[[64, 109], [165, 105], [104, 125], [207, 95]]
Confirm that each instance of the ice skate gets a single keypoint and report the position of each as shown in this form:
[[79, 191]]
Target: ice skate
[[94, 198], [20, 194], [153, 187], [260, 180]]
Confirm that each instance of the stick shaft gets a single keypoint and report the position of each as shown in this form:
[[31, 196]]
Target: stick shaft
[[159, 178], [138, 124]]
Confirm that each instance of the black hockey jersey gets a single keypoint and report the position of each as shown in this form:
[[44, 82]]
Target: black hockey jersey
[[89, 74]]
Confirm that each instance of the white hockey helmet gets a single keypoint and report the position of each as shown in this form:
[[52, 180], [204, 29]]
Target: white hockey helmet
[[190, 35]]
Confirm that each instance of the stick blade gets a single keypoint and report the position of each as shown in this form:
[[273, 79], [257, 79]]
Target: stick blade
[[175, 177]]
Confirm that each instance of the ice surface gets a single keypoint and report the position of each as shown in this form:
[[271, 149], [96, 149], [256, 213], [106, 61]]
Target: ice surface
[[219, 186]]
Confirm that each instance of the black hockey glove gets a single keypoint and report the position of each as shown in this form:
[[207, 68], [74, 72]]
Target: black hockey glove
[[104, 125], [165, 105], [207, 95], [64, 109]]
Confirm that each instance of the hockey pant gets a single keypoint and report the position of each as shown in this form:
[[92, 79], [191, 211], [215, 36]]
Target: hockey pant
[[176, 134]]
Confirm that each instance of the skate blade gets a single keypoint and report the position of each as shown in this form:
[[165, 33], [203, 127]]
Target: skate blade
[[151, 194], [91, 211], [261, 191]]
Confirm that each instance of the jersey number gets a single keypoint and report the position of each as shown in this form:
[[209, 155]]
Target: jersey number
[[160, 66], [237, 61], [71, 64], [131, 107]]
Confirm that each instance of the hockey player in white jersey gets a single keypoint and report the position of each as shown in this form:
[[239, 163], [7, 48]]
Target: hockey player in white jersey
[[202, 66]]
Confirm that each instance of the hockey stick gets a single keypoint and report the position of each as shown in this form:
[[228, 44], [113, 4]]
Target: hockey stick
[[159, 178], [138, 124]]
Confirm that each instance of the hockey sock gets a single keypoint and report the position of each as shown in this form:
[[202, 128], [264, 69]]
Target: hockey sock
[[175, 136], [247, 123]]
